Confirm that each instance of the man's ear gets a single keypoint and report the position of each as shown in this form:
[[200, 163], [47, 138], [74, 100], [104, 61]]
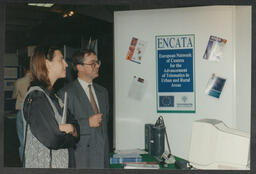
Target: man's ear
[[79, 67]]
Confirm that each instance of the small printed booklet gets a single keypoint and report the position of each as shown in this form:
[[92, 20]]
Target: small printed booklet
[[215, 86], [136, 50], [214, 49], [137, 88]]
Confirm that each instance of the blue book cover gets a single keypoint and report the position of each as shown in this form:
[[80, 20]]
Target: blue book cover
[[123, 160]]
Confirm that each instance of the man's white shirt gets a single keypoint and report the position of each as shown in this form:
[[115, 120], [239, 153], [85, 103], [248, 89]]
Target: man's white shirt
[[85, 87]]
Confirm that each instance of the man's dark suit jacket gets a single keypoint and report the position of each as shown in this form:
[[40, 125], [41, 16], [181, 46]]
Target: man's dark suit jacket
[[92, 151]]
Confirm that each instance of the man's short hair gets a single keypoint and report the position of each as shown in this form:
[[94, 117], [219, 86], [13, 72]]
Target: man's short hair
[[78, 57]]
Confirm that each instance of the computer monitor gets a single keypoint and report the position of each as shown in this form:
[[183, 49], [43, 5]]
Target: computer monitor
[[216, 146]]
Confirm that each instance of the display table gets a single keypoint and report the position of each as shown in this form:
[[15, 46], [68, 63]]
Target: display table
[[150, 158]]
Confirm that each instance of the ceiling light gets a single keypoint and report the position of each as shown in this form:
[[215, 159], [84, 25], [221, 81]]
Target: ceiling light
[[71, 13], [68, 14], [41, 4]]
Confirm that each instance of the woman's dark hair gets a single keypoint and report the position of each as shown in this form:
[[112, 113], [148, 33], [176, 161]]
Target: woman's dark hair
[[38, 65], [78, 57]]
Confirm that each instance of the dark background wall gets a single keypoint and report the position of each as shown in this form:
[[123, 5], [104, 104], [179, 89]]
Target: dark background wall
[[26, 26]]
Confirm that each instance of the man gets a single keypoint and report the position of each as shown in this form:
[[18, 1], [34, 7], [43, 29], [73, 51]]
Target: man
[[20, 89], [88, 102]]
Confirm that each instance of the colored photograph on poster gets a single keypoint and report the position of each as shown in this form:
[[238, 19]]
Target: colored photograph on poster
[[214, 49], [131, 48]]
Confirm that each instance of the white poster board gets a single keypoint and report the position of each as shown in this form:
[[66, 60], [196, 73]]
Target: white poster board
[[131, 115]]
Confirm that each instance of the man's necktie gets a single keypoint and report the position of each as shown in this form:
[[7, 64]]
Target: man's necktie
[[93, 103]]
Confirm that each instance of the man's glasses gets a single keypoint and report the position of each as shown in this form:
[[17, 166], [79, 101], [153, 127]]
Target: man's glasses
[[93, 65]]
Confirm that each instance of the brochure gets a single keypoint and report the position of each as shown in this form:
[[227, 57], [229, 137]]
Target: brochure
[[137, 88], [214, 49], [215, 86], [136, 50]]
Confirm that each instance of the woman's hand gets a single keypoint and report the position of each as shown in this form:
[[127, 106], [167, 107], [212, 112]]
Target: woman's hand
[[68, 128]]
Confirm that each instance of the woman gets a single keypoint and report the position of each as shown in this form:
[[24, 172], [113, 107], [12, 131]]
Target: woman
[[46, 140]]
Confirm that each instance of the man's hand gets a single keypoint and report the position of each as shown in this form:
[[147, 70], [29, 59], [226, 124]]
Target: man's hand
[[68, 128], [95, 120]]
